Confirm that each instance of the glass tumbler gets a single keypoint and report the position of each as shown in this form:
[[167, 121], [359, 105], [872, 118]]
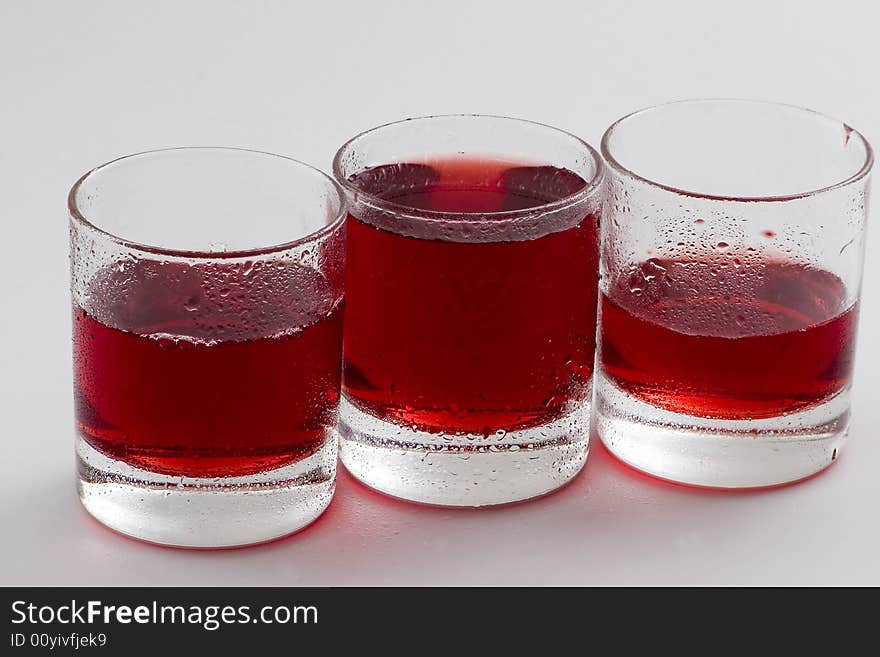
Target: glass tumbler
[[471, 289], [732, 246], [207, 288]]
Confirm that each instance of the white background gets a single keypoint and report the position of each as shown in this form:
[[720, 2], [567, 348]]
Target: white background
[[84, 82]]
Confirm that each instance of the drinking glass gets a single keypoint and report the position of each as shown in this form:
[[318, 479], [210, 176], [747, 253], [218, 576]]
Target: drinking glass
[[471, 287], [207, 289], [732, 245]]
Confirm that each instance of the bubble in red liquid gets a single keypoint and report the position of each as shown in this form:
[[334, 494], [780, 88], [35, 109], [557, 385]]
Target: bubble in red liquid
[[393, 180], [541, 183]]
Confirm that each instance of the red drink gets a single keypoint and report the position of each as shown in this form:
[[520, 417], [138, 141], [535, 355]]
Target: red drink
[[210, 370], [729, 339], [469, 324]]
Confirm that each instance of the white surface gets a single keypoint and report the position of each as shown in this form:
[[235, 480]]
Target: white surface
[[85, 82]]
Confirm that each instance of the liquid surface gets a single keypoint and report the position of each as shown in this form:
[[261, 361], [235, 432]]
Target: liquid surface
[[452, 336], [732, 339], [208, 372]]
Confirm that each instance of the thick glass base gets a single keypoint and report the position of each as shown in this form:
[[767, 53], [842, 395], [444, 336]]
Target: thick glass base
[[462, 469], [720, 453], [201, 512]]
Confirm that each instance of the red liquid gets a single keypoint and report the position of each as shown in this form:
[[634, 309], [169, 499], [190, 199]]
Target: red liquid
[[462, 336], [186, 384], [731, 340]]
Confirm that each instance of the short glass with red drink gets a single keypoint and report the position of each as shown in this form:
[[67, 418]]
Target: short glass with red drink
[[732, 246], [207, 289], [471, 289]]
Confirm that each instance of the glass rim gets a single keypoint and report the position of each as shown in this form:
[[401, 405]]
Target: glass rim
[[592, 186], [79, 217], [851, 133]]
